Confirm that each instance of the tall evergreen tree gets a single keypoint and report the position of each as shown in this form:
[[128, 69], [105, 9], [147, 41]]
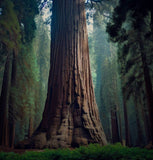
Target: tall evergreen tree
[[70, 118], [131, 27]]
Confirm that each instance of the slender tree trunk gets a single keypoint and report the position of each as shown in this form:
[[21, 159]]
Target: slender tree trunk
[[114, 122], [4, 103], [12, 103], [139, 125], [120, 127], [30, 132], [71, 117], [127, 132], [117, 120], [146, 120]]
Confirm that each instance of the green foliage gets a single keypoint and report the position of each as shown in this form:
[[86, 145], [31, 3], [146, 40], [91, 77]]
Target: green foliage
[[115, 26], [16, 20], [26, 12], [17, 31], [91, 152], [9, 26], [131, 28]]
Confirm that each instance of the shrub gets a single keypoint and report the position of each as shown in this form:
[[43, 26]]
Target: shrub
[[90, 152]]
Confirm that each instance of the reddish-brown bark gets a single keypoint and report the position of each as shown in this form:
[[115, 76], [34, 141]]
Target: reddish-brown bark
[[71, 117]]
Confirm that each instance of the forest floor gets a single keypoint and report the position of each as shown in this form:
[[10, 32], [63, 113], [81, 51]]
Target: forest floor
[[20, 151], [91, 152]]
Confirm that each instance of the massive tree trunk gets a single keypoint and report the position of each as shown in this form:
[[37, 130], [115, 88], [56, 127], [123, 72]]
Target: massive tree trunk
[[70, 118]]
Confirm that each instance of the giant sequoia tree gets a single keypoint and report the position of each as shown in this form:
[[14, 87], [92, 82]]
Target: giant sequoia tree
[[70, 116]]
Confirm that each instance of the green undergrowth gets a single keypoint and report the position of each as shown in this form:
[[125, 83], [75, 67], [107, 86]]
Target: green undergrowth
[[91, 152]]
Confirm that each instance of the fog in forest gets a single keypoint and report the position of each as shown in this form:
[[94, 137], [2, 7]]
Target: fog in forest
[[74, 73]]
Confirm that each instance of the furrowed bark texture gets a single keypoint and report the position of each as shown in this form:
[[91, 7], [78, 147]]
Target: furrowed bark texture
[[71, 117]]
